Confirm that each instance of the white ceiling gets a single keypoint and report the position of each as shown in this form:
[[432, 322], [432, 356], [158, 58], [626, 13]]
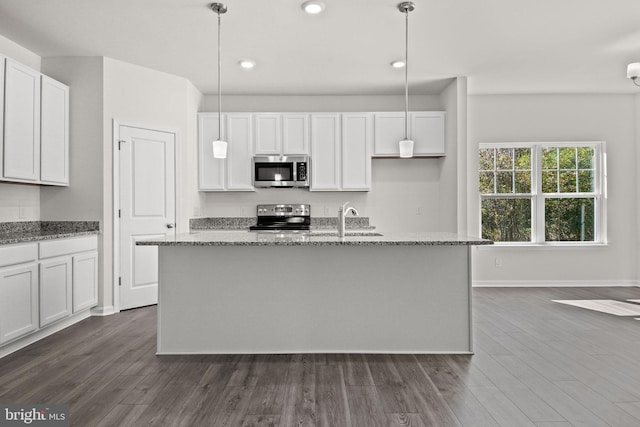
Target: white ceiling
[[503, 46]]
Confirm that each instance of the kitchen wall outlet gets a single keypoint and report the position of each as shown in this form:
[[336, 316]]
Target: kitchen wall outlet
[[498, 262], [196, 211], [419, 210], [22, 212], [326, 211], [243, 211]]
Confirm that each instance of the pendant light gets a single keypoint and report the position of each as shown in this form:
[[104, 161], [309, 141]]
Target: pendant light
[[219, 146], [406, 145]]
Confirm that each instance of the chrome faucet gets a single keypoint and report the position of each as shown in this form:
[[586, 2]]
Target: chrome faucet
[[342, 213]]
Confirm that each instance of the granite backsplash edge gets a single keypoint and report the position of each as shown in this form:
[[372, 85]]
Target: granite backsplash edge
[[243, 223]]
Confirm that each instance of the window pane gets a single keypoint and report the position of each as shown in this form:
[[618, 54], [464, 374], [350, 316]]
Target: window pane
[[585, 157], [567, 158], [550, 182], [486, 182], [570, 220], [486, 159], [506, 220], [549, 158], [504, 182], [568, 181], [523, 182], [504, 159], [523, 158], [585, 181]]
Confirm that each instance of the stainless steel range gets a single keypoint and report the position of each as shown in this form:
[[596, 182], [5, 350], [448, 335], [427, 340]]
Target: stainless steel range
[[282, 218]]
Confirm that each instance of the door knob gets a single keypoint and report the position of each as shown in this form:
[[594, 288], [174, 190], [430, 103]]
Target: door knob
[[171, 225]]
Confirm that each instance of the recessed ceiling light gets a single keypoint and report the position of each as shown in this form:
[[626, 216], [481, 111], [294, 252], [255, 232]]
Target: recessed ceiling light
[[313, 7], [247, 64], [398, 64]]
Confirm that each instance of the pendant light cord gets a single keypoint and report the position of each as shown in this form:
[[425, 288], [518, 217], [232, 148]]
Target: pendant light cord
[[406, 75], [219, 89]]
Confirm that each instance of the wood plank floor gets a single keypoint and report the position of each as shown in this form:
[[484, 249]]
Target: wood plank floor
[[537, 363]]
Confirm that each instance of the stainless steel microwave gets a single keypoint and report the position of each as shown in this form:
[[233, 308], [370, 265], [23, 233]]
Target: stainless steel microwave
[[281, 171]]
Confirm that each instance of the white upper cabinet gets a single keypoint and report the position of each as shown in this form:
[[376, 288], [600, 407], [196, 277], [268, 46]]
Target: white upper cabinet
[[54, 132], [356, 141], [21, 142], [281, 133], [211, 171], [3, 61], [268, 133], [239, 154], [295, 133], [34, 126], [426, 128], [234, 172], [325, 152]]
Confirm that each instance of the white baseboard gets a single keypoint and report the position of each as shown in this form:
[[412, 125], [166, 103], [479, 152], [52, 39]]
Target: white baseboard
[[43, 333], [103, 311], [552, 283]]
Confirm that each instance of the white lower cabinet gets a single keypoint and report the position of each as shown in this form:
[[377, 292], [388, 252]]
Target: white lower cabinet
[[42, 283], [85, 281], [55, 290], [18, 301]]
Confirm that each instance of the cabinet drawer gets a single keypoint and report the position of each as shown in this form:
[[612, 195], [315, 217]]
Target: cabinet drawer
[[17, 254], [68, 246]]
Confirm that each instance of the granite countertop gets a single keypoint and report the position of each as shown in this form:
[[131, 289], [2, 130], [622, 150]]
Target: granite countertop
[[33, 231], [317, 238]]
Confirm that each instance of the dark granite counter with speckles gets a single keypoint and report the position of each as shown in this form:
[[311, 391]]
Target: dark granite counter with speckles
[[314, 238], [33, 231]]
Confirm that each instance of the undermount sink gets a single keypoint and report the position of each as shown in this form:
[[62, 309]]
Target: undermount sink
[[348, 234]]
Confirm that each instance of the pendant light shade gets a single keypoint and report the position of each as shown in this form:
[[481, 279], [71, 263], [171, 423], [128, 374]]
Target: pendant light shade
[[219, 146], [406, 145]]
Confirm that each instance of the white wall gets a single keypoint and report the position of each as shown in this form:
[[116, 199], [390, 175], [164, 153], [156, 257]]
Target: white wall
[[139, 96], [610, 118], [406, 193], [19, 202]]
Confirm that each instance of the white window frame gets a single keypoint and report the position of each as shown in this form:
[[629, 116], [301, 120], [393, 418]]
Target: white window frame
[[538, 198]]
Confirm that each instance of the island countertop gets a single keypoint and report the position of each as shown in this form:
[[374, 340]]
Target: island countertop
[[313, 238]]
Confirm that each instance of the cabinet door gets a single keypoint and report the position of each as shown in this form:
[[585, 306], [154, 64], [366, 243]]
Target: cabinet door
[[18, 301], [325, 152], [21, 151], [55, 290], [239, 155], [295, 134], [268, 133], [2, 67], [388, 131], [211, 171], [357, 130], [428, 133], [54, 132], [85, 281]]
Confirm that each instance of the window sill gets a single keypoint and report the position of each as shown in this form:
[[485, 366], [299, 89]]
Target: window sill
[[529, 245]]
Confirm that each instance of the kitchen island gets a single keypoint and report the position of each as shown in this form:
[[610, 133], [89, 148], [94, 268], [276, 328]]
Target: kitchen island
[[247, 292]]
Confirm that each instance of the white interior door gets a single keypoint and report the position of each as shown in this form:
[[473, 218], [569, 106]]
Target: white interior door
[[147, 209]]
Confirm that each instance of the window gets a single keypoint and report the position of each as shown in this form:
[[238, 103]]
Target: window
[[542, 193]]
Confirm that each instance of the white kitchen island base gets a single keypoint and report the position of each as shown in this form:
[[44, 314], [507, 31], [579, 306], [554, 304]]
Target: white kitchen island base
[[374, 298]]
